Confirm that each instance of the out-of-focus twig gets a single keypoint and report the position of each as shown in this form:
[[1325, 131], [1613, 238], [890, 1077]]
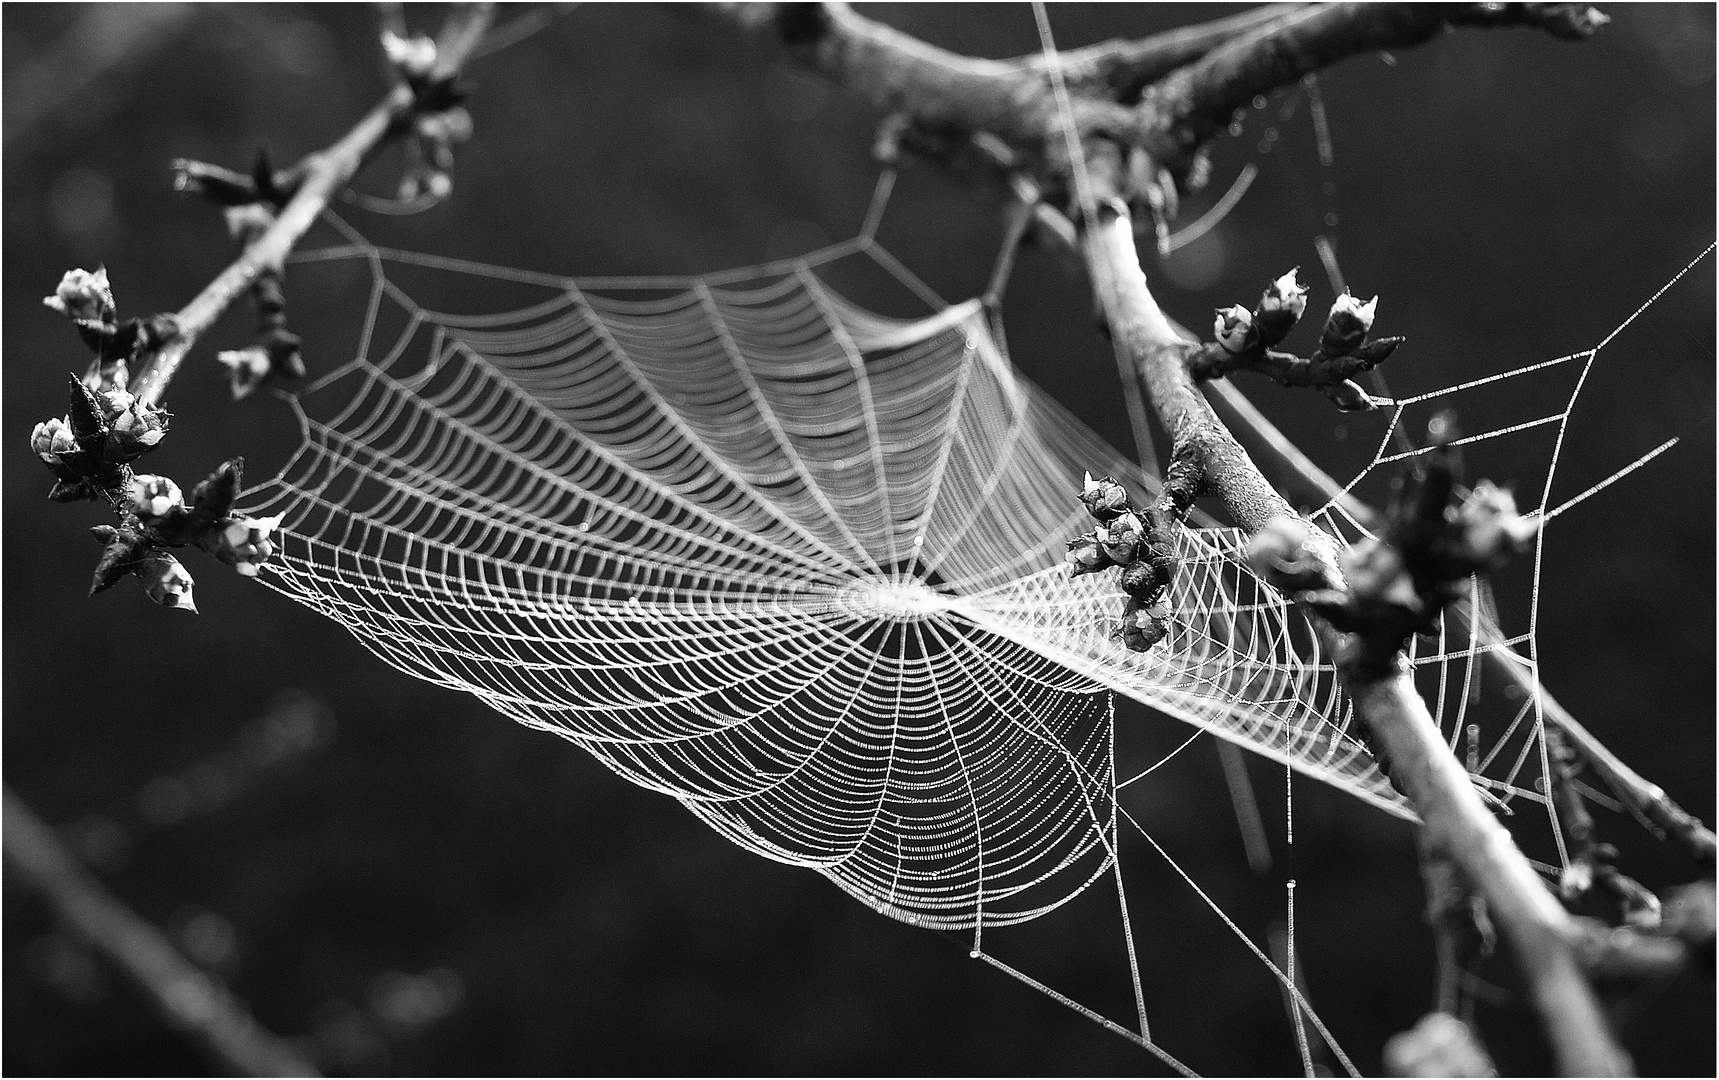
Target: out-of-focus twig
[[191, 999]]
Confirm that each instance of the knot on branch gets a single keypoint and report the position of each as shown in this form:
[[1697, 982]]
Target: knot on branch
[[1436, 535], [157, 516], [1242, 340], [86, 299], [1139, 541]]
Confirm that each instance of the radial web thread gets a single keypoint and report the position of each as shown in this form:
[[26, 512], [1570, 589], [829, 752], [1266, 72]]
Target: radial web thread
[[799, 566]]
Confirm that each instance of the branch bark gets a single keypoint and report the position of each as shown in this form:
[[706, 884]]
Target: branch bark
[[325, 172]]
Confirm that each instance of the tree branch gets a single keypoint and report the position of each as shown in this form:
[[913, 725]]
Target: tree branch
[[1457, 826], [1122, 68], [321, 175], [1189, 106], [896, 73], [1643, 796]]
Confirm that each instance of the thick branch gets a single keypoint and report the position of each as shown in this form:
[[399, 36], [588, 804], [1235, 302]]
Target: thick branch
[[1122, 68], [1157, 353], [191, 1000], [324, 173], [1458, 827], [935, 89]]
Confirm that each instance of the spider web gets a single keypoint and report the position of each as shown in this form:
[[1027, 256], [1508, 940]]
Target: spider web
[[799, 566]]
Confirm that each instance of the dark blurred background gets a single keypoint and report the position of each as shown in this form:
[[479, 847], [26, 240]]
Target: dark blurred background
[[408, 883]]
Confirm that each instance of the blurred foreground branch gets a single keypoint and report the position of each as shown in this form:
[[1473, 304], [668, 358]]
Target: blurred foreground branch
[[191, 1000]]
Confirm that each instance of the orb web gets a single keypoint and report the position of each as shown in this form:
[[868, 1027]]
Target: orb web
[[799, 566]]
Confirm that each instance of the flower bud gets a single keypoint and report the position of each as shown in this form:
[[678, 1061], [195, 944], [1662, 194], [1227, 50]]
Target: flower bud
[[451, 126], [1281, 553], [1085, 556], [1279, 309], [51, 438], [154, 496], [1143, 625], [114, 402], [1377, 574], [1144, 579], [242, 542], [1350, 396], [1121, 539], [414, 57], [84, 297], [1104, 499], [425, 183], [1440, 1045], [247, 221], [1576, 880], [136, 427], [247, 368], [1348, 325], [167, 582], [1491, 529], [1233, 328]]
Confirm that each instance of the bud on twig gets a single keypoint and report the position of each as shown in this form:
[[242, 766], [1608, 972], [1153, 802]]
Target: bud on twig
[[153, 497], [51, 438], [1350, 396], [135, 427], [247, 368], [123, 552], [1279, 309], [1440, 1045], [413, 57], [1121, 538], [84, 298], [1143, 625], [1234, 330], [1086, 555], [1490, 529], [242, 542], [1348, 325], [1104, 499], [167, 582]]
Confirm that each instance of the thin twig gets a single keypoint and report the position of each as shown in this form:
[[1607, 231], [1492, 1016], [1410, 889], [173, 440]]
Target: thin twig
[[324, 172]]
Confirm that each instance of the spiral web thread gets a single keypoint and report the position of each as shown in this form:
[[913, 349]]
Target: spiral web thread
[[799, 566]]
